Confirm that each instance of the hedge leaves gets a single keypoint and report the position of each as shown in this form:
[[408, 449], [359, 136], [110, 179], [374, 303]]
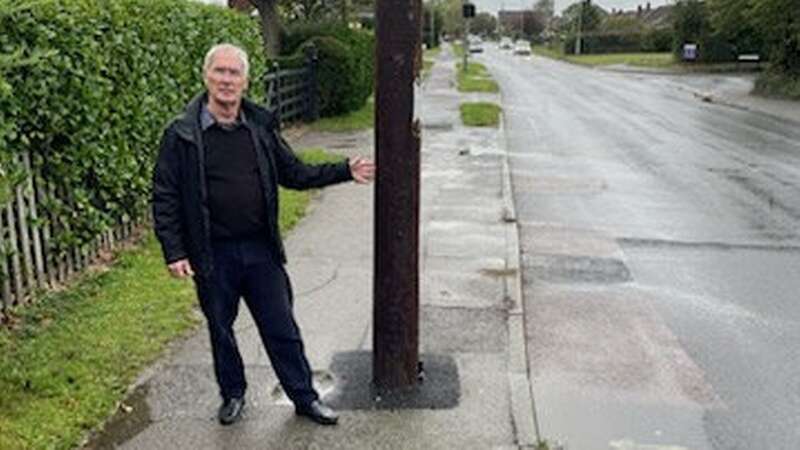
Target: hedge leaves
[[86, 87]]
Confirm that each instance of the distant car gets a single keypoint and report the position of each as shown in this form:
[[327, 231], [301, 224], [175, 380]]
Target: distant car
[[505, 44], [522, 48], [475, 46]]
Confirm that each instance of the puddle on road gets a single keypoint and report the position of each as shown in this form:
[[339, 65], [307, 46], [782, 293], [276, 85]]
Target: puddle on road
[[131, 418]]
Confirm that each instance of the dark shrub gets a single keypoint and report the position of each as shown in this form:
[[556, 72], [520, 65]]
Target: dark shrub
[[339, 91], [360, 45]]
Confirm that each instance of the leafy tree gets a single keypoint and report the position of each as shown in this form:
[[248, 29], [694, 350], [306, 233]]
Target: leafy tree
[[779, 21], [545, 9], [592, 16], [308, 10], [452, 17], [484, 24], [733, 21], [691, 23], [431, 36]]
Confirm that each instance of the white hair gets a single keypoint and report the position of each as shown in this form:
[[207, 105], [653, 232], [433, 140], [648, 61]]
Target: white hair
[[241, 54]]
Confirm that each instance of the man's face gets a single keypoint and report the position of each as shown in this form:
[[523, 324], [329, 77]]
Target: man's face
[[225, 78]]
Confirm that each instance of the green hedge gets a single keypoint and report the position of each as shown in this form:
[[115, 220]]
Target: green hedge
[[655, 40], [339, 91], [347, 73], [92, 109]]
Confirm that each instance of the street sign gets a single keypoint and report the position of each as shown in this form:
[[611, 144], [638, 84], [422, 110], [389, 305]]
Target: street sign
[[689, 52], [469, 10]]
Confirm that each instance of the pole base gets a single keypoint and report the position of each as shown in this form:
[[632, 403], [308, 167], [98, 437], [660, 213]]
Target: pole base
[[438, 385]]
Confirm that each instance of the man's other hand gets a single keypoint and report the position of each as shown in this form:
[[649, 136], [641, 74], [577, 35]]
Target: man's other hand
[[362, 169], [181, 269]]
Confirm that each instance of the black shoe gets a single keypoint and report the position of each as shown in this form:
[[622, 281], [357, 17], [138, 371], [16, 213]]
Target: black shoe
[[318, 412], [231, 411]]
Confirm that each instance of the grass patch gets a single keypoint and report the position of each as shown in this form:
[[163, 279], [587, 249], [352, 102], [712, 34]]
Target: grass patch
[[650, 60], [361, 119], [458, 51], [432, 52], [547, 52], [69, 362], [480, 114], [475, 79], [776, 84], [70, 357], [427, 65], [657, 60], [293, 204]]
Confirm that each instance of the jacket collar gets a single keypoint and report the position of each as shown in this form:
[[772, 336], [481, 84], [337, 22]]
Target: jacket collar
[[188, 127]]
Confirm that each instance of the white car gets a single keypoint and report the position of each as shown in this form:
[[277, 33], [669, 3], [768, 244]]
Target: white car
[[505, 43], [475, 46], [522, 48]]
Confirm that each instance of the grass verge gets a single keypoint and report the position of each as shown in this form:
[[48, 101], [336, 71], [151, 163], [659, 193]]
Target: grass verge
[[480, 114], [70, 358], [458, 51], [475, 79], [432, 52], [779, 85], [361, 119], [428, 59], [655, 60]]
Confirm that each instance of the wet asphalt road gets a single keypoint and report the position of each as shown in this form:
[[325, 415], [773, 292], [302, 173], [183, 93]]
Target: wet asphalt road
[[661, 260]]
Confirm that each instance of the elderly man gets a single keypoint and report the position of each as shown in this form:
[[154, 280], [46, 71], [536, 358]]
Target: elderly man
[[215, 208]]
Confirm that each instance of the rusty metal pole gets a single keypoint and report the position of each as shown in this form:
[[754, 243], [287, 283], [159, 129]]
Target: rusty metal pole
[[396, 284]]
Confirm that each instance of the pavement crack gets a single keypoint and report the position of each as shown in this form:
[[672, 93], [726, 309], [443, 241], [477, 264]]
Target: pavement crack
[[334, 276]]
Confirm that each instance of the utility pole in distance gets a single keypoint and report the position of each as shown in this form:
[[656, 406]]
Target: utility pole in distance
[[468, 12], [395, 362], [579, 38]]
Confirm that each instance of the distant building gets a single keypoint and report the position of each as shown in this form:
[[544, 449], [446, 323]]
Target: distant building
[[660, 17], [516, 21]]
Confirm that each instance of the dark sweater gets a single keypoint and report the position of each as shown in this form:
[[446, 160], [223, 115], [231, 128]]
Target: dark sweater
[[236, 199]]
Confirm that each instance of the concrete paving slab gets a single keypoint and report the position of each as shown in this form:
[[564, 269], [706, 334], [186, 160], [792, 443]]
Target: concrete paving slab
[[454, 288], [463, 330]]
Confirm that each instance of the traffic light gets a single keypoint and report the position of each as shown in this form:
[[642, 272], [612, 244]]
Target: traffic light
[[469, 10]]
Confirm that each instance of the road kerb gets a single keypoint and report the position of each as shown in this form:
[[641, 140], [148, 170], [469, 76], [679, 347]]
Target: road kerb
[[523, 412]]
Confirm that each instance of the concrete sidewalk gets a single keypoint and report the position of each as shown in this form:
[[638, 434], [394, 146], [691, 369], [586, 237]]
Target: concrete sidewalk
[[476, 394]]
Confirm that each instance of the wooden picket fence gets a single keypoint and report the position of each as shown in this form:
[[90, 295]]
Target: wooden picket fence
[[28, 259], [29, 262]]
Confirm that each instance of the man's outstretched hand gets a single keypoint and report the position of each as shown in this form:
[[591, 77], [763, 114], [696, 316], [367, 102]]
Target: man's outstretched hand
[[181, 269], [362, 169]]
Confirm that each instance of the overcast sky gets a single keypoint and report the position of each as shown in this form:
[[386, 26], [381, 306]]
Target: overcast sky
[[493, 6]]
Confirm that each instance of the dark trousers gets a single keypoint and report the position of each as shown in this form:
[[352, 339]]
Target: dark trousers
[[247, 268]]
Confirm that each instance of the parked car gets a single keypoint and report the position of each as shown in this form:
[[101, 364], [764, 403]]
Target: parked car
[[522, 48], [505, 43], [475, 45]]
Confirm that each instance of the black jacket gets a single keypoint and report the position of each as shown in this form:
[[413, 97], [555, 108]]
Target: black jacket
[[180, 209]]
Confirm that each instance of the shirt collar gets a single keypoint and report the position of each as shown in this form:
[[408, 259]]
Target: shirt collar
[[207, 119]]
